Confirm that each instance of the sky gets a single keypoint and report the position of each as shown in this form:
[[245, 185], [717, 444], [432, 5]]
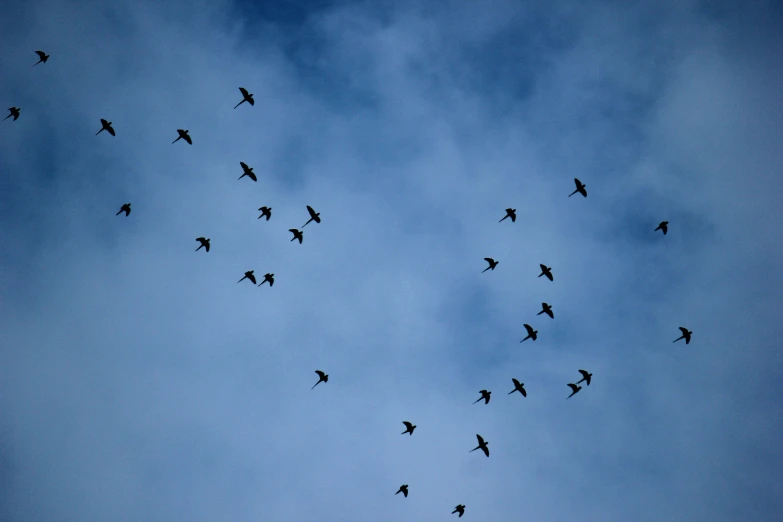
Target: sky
[[140, 382]]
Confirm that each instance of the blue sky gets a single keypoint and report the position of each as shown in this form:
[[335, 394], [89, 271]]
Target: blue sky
[[139, 382]]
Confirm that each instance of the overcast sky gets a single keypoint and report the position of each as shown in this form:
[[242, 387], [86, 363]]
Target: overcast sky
[[139, 382]]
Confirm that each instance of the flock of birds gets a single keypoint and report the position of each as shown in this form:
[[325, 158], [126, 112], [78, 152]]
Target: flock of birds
[[266, 212]]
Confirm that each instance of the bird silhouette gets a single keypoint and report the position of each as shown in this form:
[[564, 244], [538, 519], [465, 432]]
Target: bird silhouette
[[686, 334], [481, 445], [42, 57], [246, 97], [183, 135], [247, 171], [204, 243], [265, 211], [14, 111], [314, 216], [125, 208], [663, 226], [546, 271], [585, 377], [249, 275], [484, 395], [270, 278], [575, 389], [404, 490], [459, 509], [518, 387], [510, 213], [546, 309], [322, 377], [492, 264], [531, 334], [580, 187], [106, 126], [408, 428], [297, 234]]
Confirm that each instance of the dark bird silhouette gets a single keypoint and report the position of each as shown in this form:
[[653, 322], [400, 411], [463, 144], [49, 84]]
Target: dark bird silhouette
[[492, 264], [686, 334], [249, 275], [297, 234], [481, 445], [510, 213], [580, 187], [183, 135], [42, 57], [663, 226], [247, 171], [125, 208], [314, 216], [546, 309], [246, 97], [585, 377], [546, 271], [14, 111], [531, 334], [265, 211], [518, 387], [484, 395], [459, 509], [404, 490], [322, 377], [408, 428], [575, 389], [204, 243], [106, 126], [270, 278]]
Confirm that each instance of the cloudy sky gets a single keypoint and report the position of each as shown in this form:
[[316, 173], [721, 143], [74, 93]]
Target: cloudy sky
[[139, 382]]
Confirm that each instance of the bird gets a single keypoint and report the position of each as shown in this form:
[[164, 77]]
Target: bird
[[408, 428], [265, 211], [322, 377], [106, 126], [585, 377], [14, 111], [546, 271], [297, 234], [314, 216], [686, 334], [246, 97], [249, 275], [663, 226], [459, 509], [531, 334], [518, 386], [247, 171], [580, 187], [204, 243], [125, 208], [492, 264], [546, 309], [510, 213], [268, 278], [183, 135], [404, 490], [484, 395], [42, 57], [481, 445], [575, 389]]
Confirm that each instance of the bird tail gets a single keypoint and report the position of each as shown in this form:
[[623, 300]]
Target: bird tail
[[485, 270], [512, 391], [478, 400], [7, 117], [316, 384], [574, 192], [36, 63], [99, 132], [175, 141], [541, 312], [238, 104]]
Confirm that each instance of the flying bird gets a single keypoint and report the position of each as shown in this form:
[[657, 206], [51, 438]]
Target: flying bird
[[265, 211], [510, 213], [585, 377], [125, 208], [484, 395], [404, 490], [518, 387], [247, 171], [268, 278], [297, 234], [246, 97], [575, 389], [531, 334], [204, 243], [408, 428], [249, 275], [314, 216], [546, 271], [183, 135], [459, 509], [481, 445], [580, 187], [686, 334], [322, 377], [546, 309], [106, 126], [14, 111], [663, 226], [42, 57], [492, 264]]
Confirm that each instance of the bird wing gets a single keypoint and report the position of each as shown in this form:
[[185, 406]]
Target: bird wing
[[252, 176], [524, 393], [480, 439], [407, 424], [529, 329], [584, 373], [271, 281], [252, 278], [489, 260], [187, 138], [311, 211], [543, 267], [104, 122], [684, 330], [293, 230], [577, 182], [111, 130], [244, 92], [245, 167], [320, 373], [574, 387], [251, 101], [40, 53], [207, 247], [550, 276], [516, 382], [486, 451], [201, 239]]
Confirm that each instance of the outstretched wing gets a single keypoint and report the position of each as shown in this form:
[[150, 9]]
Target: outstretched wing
[[244, 92], [543, 267], [252, 278], [516, 382], [200, 239], [245, 167], [187, 138], [529, 329], [40, 54], [573, 387], [311, 211], [320, 374], [577, 182], [584, 373], [407, 424], [480, 439], [489, 260]]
